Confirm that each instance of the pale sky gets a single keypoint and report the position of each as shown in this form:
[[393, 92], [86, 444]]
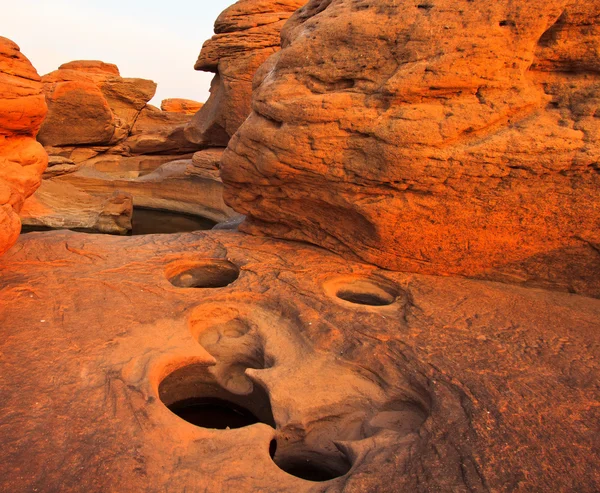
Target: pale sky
[[150, 39]]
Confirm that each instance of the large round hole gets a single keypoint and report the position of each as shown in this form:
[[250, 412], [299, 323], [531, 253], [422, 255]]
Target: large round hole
[[363, 291], [193, 394], [369, 299], [214, 273], [311, 465], [213, 413]]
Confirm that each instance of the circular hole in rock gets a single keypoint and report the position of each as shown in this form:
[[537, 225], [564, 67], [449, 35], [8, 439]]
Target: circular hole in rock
[[309, 465], [193, 394], [213, 413], [363, 291], [365, 298], [216, 273]]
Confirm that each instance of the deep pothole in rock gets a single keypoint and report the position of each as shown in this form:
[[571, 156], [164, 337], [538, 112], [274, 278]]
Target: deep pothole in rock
[[315, 426], [363, 291], [211, 412], [193, 394], [209, 273], [310, 465]]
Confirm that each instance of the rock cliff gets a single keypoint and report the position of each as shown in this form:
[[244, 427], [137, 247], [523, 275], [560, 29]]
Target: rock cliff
[[442, 137], [22, 159]]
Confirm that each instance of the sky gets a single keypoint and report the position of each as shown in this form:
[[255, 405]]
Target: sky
[[150, 39]]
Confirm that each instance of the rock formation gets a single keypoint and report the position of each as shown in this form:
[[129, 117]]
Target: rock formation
[[444, 137], [95, 115], [103, 137], [22, 159], [221, 361], [246, 34], [178, 105], [376, 380]]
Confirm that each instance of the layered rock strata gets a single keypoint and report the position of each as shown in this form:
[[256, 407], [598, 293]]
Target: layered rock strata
[[22, 159], [370, 379], [191, 186], [440, 137], [96, 113]]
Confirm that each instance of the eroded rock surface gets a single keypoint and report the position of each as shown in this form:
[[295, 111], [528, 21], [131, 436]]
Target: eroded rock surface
[[22, 159], [191, 186], [60, 205], [246, 34], [452, 138], [380, 380]]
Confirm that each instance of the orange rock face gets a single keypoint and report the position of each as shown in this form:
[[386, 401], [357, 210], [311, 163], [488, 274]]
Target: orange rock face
[[377, 380], [178, 105], [22, 159], [89, 103], [246, 34], [443, 138]]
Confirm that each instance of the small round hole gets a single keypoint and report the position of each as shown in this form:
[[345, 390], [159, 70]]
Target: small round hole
[[366, 291], [216, 273], [213, 413]]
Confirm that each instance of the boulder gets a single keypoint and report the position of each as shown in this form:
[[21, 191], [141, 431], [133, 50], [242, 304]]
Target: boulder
[[246, 34], [100, 134], [89, 103], [178, 105], [437, 137], [22, 159]]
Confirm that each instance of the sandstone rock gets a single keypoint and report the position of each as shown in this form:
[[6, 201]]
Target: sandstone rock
[[22, 159], [183, 185], [178, 105], [90, 103], [157, 132], [100, 129], [247, 33], [442, 138], [383, 381], [59, 205]]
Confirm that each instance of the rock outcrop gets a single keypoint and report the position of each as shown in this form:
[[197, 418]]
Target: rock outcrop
[[93, 111], [377, 381], [179, 105], [102, 137], [59, 205], [436, 137], [22, 159], [246, 34]]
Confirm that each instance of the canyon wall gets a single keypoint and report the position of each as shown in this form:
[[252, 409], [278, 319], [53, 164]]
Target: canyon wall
[[447, 138], [22, 159]]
